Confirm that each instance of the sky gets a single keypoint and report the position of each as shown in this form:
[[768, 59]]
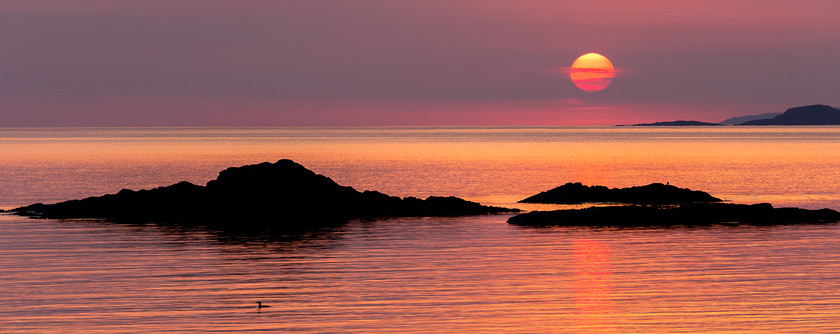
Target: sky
[[409, 62]]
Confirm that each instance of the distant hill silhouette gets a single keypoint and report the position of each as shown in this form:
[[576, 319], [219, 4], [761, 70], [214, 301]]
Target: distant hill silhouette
[[282, 196], [742, 119], [817, 114], [678, 123]]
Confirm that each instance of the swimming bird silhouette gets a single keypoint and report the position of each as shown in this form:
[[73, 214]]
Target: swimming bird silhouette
[[260, 305]]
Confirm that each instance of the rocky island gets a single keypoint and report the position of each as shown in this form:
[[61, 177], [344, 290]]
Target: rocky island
[[657, 204], [694, 214], [280, 196], [285, 196], [654, 193]]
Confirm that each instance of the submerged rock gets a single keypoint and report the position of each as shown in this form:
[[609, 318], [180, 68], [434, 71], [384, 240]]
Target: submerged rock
[[654, 193], [684, 215], [283, 195]]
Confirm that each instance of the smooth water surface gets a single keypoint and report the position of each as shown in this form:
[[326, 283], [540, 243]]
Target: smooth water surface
[[465, 274], [454, 275]]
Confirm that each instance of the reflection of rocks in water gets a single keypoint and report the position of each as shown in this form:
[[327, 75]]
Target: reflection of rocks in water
[[244, 241], [283, 196], [236, 240]]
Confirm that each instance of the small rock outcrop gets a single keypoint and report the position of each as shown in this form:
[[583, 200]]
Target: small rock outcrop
[[817, 114], [654, 193], [696, 214], [282, 195]]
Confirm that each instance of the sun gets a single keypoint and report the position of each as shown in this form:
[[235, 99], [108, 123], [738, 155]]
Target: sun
[[592, 72]]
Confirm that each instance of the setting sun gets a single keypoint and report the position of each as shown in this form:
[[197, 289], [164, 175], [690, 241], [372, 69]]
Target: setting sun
[[592, 72]]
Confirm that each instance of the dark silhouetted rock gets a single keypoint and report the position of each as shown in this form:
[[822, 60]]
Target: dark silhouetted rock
[[696, 214], [742, 119], [654, 193], [817, 114], [678, 123], [283, 195]]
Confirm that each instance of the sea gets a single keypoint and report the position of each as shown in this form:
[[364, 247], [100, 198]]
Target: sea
[[474, 274]]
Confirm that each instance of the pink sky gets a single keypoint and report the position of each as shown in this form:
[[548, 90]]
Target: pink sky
[[435, 62]]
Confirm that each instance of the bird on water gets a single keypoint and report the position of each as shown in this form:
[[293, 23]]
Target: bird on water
[[260, 305]]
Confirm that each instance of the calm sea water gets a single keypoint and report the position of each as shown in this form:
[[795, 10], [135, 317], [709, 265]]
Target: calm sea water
[[466, 274]]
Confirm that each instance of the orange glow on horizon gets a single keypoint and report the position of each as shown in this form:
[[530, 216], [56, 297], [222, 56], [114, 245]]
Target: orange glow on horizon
[[592, 72]]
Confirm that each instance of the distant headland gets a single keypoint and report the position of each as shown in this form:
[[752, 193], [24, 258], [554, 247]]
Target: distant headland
[[741, 119], [817, 114], [679, 123], [280, 196]]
